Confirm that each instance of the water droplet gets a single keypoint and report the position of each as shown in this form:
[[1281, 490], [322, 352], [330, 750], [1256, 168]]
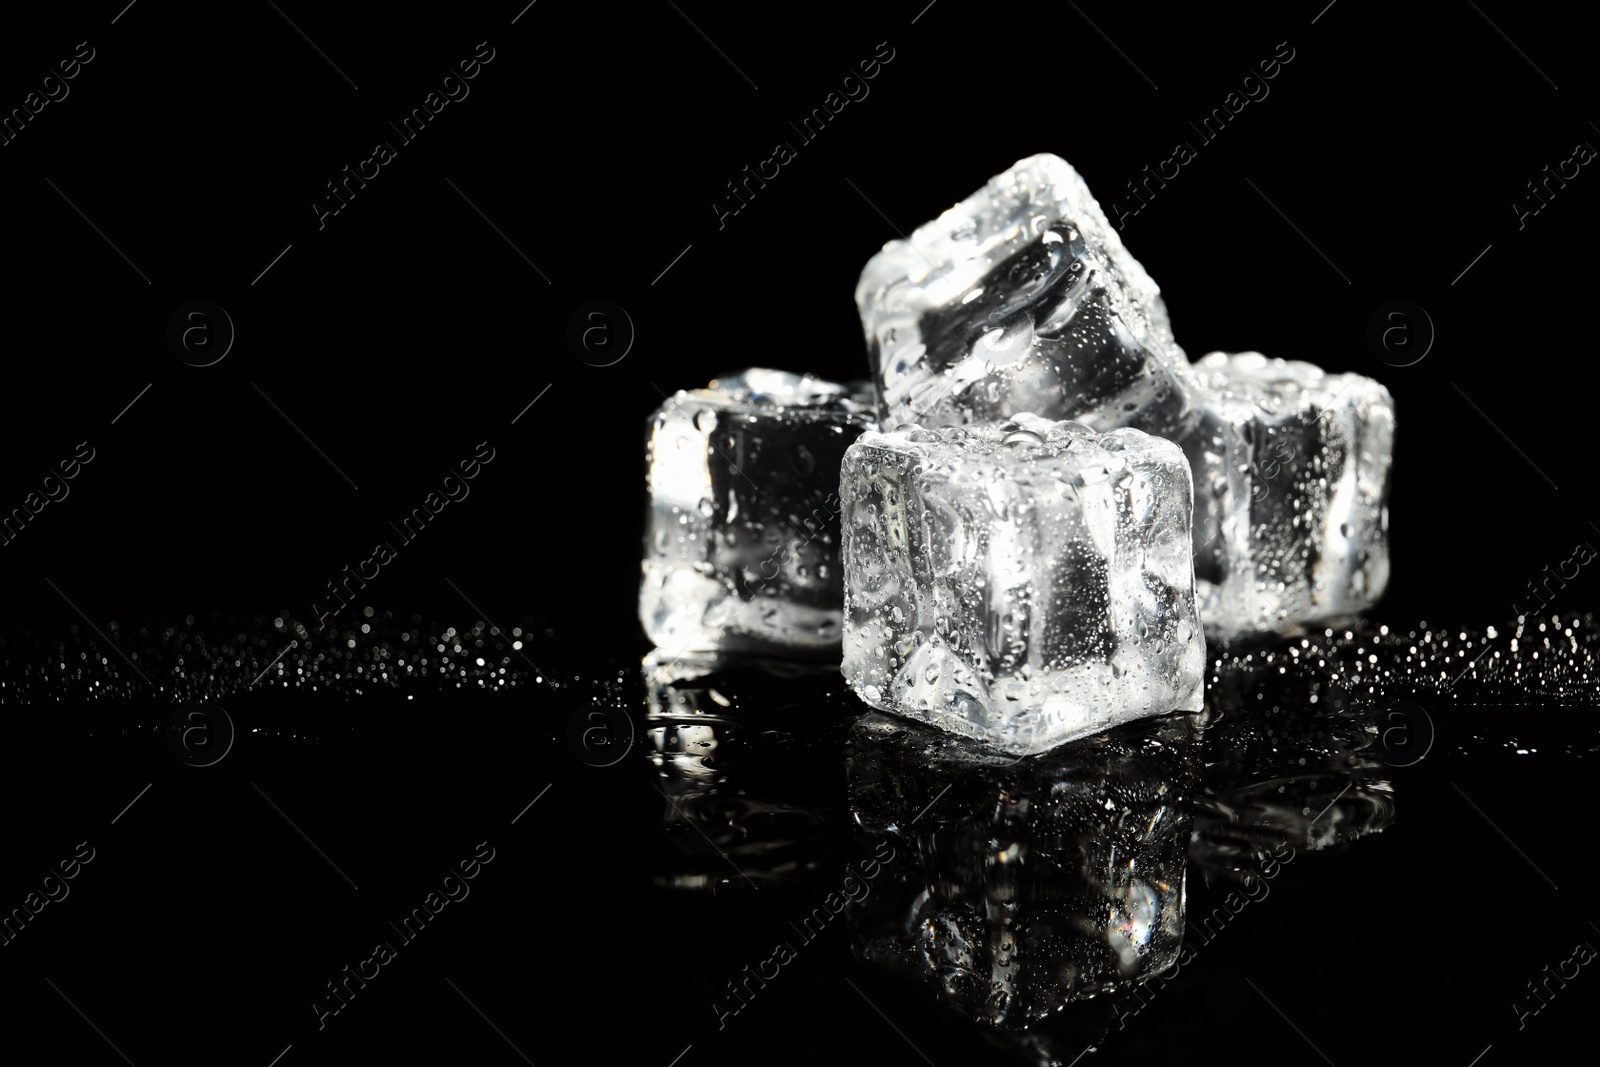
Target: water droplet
[[1022, 437], [707, 507]]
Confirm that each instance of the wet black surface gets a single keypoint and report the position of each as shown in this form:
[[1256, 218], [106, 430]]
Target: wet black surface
[[383, 354], [1334, 878]]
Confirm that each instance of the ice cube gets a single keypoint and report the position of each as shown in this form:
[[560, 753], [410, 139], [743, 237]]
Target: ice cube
[[1022, 297], [1013, 886], [1022, 583], [1291, 480], [741, 540]]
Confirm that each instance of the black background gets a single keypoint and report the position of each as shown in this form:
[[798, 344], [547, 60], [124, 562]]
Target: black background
[[413, 326]]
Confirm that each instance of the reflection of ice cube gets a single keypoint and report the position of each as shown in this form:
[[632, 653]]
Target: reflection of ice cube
[[1285, 761], [736, 747], [1022, 298], [741, 541], [1291, 479], [1023, 584], [1019, 885]]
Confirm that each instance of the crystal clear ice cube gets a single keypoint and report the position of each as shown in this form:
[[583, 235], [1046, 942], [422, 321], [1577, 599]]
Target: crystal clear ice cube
[[1023, 583], [741, 540], [1291, 481], [1022, 298]]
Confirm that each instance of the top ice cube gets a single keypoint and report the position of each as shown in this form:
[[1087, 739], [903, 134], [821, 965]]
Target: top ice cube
[[1022, 298]]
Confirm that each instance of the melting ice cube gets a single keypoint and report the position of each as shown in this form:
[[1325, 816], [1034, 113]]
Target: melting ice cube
[[1291, 480], [742, 537], [1022, 298], [1023, 583]]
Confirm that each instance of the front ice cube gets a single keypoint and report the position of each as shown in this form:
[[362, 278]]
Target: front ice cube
[[1024, 583], [742, 537], [1022, 298], [1291, 480]]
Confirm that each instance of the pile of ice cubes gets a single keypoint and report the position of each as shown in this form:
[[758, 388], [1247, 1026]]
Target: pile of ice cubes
[[1026, 526]]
